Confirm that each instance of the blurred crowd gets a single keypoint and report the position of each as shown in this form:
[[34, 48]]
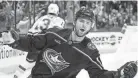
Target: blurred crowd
[[109, 15], [114, 14]]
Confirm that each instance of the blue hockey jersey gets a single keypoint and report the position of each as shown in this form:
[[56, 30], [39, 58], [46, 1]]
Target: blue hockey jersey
[[58, 57]]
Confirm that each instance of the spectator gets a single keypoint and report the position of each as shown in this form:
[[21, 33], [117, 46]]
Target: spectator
[[133, 20], [70, 13], [2, 22]]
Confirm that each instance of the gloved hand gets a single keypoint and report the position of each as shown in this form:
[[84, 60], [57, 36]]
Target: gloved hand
[[14, 34], [128, 70], [10, 36]]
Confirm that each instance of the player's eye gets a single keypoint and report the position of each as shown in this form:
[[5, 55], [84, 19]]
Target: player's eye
[[87, 22]]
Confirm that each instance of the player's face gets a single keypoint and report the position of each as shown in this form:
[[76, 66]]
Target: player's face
[[83, 26]]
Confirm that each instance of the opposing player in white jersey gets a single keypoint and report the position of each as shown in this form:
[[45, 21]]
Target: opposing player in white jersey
[[48, 21]]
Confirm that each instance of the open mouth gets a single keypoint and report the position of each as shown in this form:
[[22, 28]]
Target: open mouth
[[82, 30]]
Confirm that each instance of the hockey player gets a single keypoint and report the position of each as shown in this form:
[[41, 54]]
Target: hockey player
[[64, 53], [42, 24], [48, 21]]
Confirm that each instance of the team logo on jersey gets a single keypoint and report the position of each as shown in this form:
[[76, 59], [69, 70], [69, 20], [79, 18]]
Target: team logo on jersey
[[54, 60], [91, 46]]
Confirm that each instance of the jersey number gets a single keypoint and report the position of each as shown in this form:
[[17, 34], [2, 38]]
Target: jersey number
[[46, 24]]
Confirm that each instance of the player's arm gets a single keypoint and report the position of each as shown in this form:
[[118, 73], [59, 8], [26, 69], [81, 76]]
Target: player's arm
[[96, 70], [26, 43], [128, 70], [94, 66]]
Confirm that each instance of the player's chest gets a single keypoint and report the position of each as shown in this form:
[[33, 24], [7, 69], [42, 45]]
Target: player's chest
[[64, 57], [64, 50], [60, 54]]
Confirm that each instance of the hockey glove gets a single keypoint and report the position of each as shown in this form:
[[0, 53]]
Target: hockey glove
[[10, 36], [129, 70]]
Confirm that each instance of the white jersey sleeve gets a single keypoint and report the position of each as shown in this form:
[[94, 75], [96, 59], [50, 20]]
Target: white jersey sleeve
[[57, 22], [39, 25]]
